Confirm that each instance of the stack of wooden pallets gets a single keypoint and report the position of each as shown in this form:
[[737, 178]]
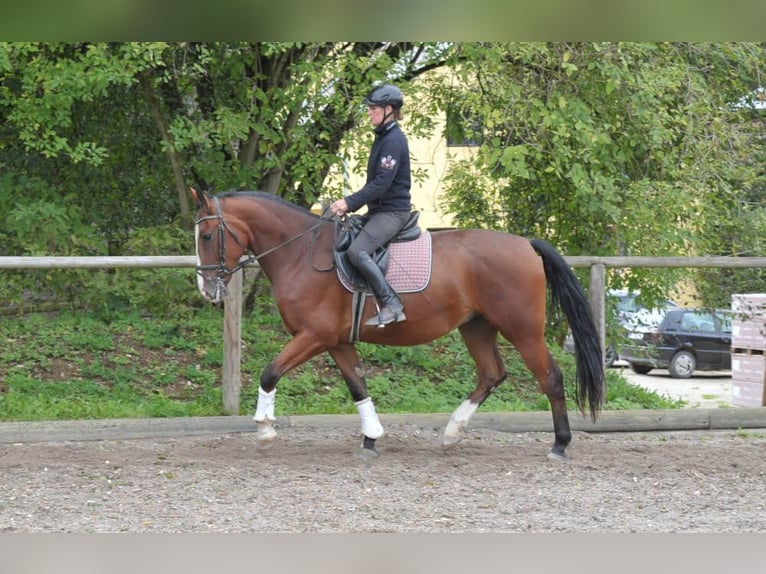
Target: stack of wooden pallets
[[748, 343]]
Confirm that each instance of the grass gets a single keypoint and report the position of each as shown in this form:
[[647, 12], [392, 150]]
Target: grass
[[125, 365], [750, 434]]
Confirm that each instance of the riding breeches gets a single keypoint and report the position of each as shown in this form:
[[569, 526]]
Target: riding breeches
[[381, 227]]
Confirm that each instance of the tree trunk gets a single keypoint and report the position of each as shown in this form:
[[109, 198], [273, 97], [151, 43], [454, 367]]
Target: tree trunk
[[175, 160]]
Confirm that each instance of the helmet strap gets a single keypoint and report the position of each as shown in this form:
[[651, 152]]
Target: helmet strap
[[389, 114]]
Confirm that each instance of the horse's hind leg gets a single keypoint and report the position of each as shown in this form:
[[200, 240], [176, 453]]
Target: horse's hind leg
[[481, 340], [346, 358], [539, 360]]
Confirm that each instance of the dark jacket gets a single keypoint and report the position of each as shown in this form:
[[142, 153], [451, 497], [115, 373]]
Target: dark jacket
[[388, 173]]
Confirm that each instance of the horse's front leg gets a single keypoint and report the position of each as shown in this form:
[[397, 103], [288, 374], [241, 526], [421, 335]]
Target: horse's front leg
[[264, 417], [299, 350], [346, 358]]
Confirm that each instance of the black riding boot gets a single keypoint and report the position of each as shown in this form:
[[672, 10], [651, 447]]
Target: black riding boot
[[391, 307]]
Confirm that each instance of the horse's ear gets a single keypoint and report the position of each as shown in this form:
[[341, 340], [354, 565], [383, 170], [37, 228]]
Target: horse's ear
[[200, 197]]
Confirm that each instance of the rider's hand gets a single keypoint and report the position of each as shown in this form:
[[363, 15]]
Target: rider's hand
[[339, 207]]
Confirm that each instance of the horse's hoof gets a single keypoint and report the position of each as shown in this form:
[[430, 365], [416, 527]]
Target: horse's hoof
[[553, 455], [366, 453], [450, 440], [265, 444], [265, 438]]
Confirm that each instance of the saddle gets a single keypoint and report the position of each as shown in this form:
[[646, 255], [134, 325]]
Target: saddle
[[347, 230]]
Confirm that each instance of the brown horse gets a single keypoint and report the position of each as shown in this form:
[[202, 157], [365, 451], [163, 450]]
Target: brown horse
[[482, 283]]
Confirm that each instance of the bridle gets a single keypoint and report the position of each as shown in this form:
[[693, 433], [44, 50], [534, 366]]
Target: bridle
[[220, 267]]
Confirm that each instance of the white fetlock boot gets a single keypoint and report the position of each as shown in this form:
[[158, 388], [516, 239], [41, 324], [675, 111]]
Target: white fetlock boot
[[458, 421], [264, 416], [371, 427]]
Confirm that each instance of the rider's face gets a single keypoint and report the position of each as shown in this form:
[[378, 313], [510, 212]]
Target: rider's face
[[376, 114]]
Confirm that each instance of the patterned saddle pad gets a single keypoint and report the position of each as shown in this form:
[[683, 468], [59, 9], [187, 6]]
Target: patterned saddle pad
[[408, 268]]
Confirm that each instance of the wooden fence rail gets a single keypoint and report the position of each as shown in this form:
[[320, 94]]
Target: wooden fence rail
[[232, 322]]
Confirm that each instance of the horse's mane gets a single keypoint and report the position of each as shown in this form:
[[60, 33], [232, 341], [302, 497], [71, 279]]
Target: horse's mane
[[269, 197]]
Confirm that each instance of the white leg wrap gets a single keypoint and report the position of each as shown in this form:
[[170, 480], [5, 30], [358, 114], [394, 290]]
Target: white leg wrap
[[264, 408], [458, 421], [371, 426]]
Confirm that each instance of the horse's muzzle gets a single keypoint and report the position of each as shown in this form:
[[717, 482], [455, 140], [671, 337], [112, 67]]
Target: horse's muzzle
[[213, 289]]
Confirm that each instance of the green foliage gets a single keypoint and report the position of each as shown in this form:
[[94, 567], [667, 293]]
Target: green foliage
[[159, 291], [610, 148], [51, 80], [603, 148], [60, 229], [268, 115], [38, 222], [78, 366]]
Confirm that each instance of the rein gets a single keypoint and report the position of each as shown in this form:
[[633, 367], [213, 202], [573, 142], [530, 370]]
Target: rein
[[223, 227]]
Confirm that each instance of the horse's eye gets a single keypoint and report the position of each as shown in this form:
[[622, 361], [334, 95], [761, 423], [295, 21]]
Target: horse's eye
[[207, 236]]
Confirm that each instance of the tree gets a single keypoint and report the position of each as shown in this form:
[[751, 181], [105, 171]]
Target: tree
[[741, 229], [102, 140], [73, 121], [604, 148], [271, 116]]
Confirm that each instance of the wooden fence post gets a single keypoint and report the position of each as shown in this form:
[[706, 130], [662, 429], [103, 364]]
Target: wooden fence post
[[597, 294], [232, 344]]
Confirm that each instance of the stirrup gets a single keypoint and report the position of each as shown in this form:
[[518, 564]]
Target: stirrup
[[386, 317]]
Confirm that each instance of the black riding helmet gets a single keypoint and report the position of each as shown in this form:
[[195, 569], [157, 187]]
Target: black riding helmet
[[385, 95]]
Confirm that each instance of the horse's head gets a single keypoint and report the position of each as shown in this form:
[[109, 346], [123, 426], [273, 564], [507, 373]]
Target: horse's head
[[219, 249]]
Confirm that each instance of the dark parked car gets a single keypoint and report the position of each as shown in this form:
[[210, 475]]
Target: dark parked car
[[686, 340], [630, 315]]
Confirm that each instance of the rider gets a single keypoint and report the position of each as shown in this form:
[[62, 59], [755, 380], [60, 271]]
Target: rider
[[386, 195]]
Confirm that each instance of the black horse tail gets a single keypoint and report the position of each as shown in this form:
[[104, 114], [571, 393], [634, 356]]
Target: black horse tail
[[567, 293]]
